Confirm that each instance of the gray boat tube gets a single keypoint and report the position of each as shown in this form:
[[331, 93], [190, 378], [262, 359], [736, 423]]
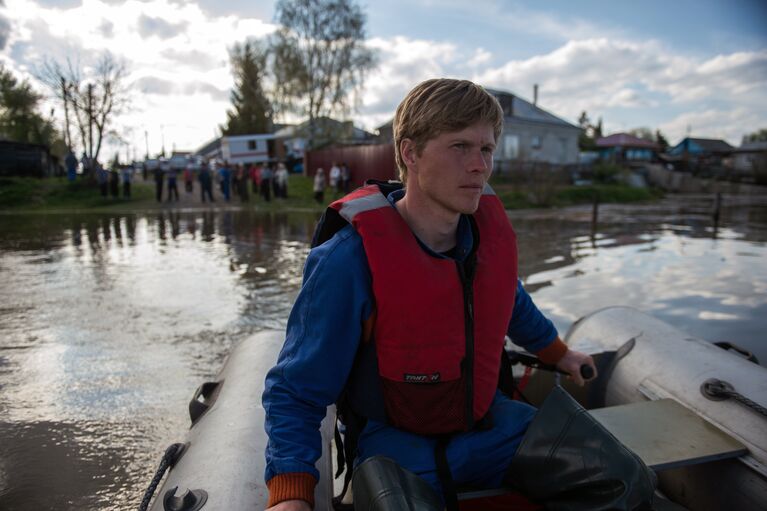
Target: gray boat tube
[[668, 363], [223, 462]]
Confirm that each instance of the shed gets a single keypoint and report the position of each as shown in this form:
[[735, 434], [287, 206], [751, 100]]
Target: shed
[[624, 147], [702, 155], [26, 160]]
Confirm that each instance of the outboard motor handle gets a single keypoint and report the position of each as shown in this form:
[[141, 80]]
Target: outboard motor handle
[[587, 372]]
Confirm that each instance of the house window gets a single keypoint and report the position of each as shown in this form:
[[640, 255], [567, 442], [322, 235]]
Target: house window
[[510, 147], [251, 145], [535, 143]]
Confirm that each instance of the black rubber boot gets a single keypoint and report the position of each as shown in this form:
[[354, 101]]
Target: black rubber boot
[[382, 485], [568, 461]]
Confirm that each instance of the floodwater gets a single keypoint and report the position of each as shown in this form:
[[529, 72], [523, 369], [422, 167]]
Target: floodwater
[[109, 322]]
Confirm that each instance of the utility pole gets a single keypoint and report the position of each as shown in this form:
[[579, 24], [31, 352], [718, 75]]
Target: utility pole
[[162, 136], [146, 143]]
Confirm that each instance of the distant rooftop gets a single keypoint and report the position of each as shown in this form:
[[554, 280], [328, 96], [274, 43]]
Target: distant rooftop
[[625, 140], [514, 107], [753, 147], [526, 111], [713, 145]]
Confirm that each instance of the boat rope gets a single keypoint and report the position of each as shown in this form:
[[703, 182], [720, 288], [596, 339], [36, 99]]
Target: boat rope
[[172, 453], [719, 390]]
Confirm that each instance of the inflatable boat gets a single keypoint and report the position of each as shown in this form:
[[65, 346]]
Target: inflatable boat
[[693, 411]]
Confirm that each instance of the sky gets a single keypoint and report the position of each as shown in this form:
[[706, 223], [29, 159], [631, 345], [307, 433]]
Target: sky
[[686, 67]]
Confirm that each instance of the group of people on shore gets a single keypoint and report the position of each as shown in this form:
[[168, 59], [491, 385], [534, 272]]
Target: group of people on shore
[[338, 180], [238, 180], [109, 181]]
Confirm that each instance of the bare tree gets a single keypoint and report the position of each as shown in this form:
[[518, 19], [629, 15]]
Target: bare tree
[[319, 57], [91, 99]]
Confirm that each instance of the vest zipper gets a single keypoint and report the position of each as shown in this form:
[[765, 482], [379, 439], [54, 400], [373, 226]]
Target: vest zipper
[[468, 312]]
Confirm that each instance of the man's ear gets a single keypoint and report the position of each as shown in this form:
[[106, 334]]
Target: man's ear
[[408, 152]]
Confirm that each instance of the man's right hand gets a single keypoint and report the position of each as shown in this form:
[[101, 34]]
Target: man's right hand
[[291, 505]]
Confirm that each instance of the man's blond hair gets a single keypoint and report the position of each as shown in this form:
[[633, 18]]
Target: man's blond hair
[[442, 105]]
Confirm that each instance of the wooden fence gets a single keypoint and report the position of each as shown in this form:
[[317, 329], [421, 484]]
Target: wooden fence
[[364, 162]]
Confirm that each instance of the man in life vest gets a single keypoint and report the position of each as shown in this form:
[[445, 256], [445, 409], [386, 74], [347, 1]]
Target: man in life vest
[[406, 300]]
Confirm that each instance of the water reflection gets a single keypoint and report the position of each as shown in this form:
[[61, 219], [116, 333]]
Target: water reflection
[[109, 322], [667, 261]]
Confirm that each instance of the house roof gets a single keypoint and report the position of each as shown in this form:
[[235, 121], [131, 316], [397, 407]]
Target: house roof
[[713, 145], [626, 140], [287, 131], [753, 147], [213, 145], [526, 111], [290, 131], [520, 110]]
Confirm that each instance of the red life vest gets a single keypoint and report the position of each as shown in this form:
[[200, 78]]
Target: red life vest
[[440, 324]]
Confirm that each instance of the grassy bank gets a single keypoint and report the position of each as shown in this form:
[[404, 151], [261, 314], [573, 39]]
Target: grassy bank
[[31, 194], [522, 197], [19, 193], [22, 194]]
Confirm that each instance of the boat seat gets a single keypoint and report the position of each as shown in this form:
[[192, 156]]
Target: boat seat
[[667, 435]]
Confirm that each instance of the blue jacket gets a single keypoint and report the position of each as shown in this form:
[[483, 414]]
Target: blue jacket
[[323, 333]]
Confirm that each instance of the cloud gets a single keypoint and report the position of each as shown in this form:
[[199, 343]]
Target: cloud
[[628, 83], [588, 68], [107, 28], [176, 53], [162, 87], [529, 23], [403, 62], [35, 43], [606, 77], [195, 58], [59, 4], [481, 57], [628, 98], [242, 8], [5, 27], [148, 26], [725, 75], [205, 88], [729, 124], [5, 31], [154, 85]]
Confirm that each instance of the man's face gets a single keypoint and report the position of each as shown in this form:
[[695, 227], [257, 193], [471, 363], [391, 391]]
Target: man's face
[[451, 171]]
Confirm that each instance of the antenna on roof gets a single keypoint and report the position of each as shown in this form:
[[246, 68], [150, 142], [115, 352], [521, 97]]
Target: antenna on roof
[[535, 94]]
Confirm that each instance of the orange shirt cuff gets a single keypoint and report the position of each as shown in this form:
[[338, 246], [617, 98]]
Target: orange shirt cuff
[[553, 353], [290, 486]]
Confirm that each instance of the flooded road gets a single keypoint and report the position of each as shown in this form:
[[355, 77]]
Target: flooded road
[[109, 323]]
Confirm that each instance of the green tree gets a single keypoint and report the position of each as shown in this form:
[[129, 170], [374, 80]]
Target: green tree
[[757, 136], [661, 140], [251, 109], [19, 117], [598, 129], [319, 60], [643, 133], [587, 141]]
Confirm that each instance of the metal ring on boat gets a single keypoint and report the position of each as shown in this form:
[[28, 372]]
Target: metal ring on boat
[[716, 390]]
